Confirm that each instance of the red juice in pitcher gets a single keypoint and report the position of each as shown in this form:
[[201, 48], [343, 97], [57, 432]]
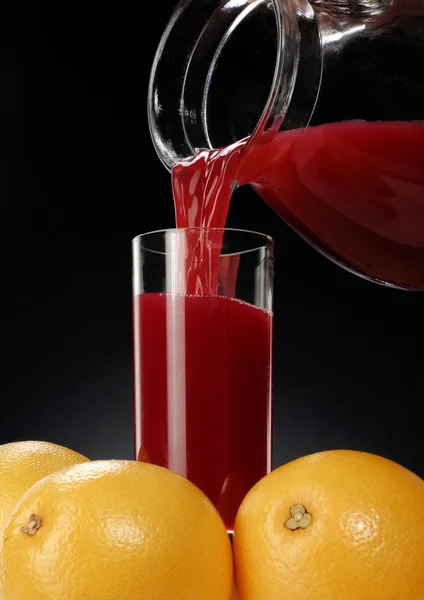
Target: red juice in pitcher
[[203, 410], [354, 190]]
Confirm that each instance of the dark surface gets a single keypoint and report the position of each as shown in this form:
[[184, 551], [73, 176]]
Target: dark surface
[[80, 178]]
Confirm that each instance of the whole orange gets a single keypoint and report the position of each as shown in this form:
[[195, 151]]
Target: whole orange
[[24, 463], [115, 530], [334, 525]]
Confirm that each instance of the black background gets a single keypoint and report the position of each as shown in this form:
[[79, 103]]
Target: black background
[[79, 179]]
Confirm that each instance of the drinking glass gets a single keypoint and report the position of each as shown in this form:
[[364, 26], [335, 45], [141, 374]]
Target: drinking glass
[[202, 326]]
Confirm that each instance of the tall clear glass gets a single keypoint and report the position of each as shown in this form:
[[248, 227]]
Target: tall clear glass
[[202, 323]]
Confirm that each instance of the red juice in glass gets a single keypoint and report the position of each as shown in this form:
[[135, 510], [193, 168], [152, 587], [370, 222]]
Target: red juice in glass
[[203, 374]]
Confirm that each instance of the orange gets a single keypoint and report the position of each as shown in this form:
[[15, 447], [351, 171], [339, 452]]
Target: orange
[[335, 525], [115, 530], [24, 463]]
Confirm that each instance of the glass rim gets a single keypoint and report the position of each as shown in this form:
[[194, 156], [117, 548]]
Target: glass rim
[[269, 240]]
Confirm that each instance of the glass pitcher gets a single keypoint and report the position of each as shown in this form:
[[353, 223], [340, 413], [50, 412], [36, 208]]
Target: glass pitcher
[[336, 88]]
